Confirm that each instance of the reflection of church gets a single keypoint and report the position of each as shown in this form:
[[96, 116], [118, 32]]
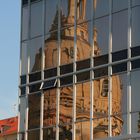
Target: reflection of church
[[100, 123]]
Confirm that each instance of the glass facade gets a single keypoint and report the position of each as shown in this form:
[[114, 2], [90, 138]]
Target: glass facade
[[79, 70]]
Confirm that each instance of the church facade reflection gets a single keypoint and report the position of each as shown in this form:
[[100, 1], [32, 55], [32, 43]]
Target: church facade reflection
[[73, 89]]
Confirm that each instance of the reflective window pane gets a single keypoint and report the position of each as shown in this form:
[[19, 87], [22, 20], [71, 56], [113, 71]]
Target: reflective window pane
[[66, 80], [102, 35], [119, 31], [23, 79], [119, 5], [25, 15], [135, 26], [50, 73], [135, 87], [34, 88], [51, 16], [34, 135], [35, 54], [23, 90], [36, 19], [65, 132], [24, 58], [34, 111], [101, 7], [66, 103], [135, 64], [34, 76], [135, 2], [49, 108], [83, 130], [83, 101], [122, 67], [23, 106], [49, 133]]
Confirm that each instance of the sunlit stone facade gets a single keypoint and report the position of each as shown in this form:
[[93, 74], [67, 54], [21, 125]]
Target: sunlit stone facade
[[79, 70]]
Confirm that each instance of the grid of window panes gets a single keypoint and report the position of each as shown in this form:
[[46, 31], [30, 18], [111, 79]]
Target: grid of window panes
[[79, 70]]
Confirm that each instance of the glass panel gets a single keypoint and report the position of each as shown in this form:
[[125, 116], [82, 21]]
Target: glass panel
[[24, 58], [50, 73], [34, 87], [83, 10], [100, 60], [50, 50], [120, 55], [34, 76], [135, 2], [83, 101], [34, 111], [135, 118], [34, 135], [83, 64], [83, 41], [102, 35], [49, 84], [122, 67], [23, 90], [84, 76], [100, 99], [49, 133], [49, 108], [83, 130], [119, 5], [24, 2], [66, 103], [135, 51], [23, 106], [23, 79], [119, 95], [36, 19], [51, 15], [25, 15], [135, 88], [135, 26], [66, 80], [66, 68], [100, 128], [65, 132], [135, 64], [101, 7], [119, 31], [35, 54], [101, 72], [67, 45]]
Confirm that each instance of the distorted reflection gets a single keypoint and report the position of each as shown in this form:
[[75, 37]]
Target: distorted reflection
[[49, 133], [34, 135], [101, 85]]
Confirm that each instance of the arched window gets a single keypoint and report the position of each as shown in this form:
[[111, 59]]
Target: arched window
[[104, 92]]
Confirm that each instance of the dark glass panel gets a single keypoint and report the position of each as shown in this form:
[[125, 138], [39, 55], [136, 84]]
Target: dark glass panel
[[135, 2], [83, 64], [34, 76], [101, 72], [119, 68], [35, 0], [83, 76], [49, 133], [66, 68], [83, 130], [49, 84], [135, 51], [34, 110], [34, 88], [120, 55], [21, 136], [49, 118], [66, 80], [50, 73], [83, 101], [65, 132], [23, 90], [66, 103], [135, 64], [23, 79], [24, 2], [100, 60], [34, 135]]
